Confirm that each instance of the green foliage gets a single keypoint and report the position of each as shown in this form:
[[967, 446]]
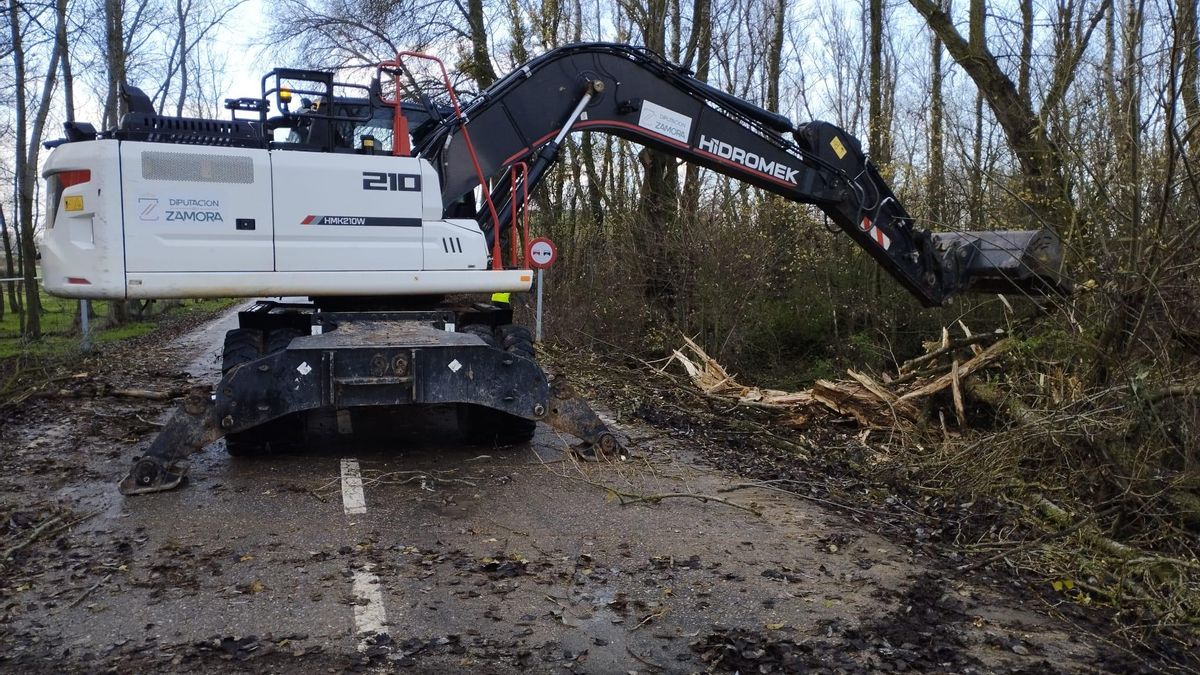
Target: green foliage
[[60, 326], [1053, 344]]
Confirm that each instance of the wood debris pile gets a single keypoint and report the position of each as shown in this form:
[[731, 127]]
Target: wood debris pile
[[873, 403]]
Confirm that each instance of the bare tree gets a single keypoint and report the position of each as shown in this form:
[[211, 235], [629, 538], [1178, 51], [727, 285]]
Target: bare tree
[[1041, 160], [28, 147], [194, 24], [348, 33]]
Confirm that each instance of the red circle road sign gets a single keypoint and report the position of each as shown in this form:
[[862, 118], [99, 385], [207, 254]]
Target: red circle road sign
[[541, 253]]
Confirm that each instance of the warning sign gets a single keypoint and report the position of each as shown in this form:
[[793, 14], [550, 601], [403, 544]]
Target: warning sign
[[541, 253]]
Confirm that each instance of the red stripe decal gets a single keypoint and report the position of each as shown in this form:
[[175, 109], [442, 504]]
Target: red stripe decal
[[308, 220]]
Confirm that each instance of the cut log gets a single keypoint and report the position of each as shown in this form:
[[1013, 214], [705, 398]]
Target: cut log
[[853, 400], [888, 398]]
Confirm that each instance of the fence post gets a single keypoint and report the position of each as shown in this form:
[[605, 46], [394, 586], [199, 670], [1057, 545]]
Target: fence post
[[85, 327]]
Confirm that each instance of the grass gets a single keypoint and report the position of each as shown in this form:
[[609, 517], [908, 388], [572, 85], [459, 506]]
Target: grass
[[60, 326]]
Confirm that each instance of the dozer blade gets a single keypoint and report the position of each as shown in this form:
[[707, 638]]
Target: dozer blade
[[1012, 261]]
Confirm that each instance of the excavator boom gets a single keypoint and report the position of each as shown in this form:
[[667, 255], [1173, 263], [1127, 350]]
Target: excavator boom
[[637, 95]]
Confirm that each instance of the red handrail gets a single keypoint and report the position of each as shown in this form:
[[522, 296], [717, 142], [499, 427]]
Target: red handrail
[[497, 263]]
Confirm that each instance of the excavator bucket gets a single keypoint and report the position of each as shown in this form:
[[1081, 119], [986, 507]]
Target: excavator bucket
[[1011, 261]]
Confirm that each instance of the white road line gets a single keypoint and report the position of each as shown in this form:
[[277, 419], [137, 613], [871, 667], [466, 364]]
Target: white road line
[[352, 488], [369, 615]]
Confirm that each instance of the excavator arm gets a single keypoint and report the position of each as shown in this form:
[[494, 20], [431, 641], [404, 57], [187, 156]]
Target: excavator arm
[[635, 94]]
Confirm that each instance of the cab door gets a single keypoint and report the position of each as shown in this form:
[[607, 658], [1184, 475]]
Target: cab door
[[196, 209], [350, 212]]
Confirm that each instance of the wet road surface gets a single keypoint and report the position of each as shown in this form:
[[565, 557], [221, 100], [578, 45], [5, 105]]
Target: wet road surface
[[424, 553]]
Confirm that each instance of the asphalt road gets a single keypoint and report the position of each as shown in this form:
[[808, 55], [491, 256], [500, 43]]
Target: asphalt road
[[423, 553]]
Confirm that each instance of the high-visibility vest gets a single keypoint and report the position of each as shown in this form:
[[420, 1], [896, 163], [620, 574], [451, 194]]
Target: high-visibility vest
[[502, 298]]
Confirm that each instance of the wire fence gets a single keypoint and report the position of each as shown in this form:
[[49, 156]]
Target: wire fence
[[59, 317]]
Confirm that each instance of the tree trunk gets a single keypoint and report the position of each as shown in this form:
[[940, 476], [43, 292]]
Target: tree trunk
[[657, 211], [27, 149], [976, 170], [114, 61], [18, 55], [700, 48], [181, 13], [1025, 66], [1189, 42], [775, 54], [517, 50], [9, 271], [1132, 109], [937, 162], [68, 78], [481, 58], [878, 127]]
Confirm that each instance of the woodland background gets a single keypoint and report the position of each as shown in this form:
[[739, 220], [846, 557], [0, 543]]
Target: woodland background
[[1077, 115]]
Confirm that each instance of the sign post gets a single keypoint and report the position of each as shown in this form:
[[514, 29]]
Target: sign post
[[540, 254]]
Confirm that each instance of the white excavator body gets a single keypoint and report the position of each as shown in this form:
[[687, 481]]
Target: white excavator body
[[132, 219]]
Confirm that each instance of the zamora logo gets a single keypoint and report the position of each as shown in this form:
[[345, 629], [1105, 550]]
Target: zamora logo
[[196, 216]]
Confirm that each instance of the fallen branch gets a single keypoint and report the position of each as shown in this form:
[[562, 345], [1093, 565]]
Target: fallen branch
[[627, 498], [987, 356], [840, 398], [43, 531], [650, 617], [952, 346], [88, 592], [956, 389], [97, 392], [33, 536], [648, 664], [1059, 516], [1057, 534], [1173, 391]]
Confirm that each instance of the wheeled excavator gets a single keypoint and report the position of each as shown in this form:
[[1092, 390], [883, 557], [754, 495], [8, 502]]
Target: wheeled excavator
[[382, 204]]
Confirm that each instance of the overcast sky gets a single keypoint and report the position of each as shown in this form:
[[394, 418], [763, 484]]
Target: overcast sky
[[242, 39]]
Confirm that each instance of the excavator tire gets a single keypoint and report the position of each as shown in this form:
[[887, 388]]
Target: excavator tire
[[279, 338], [515, 340], [242, 345], [483, 332], [487, 426]]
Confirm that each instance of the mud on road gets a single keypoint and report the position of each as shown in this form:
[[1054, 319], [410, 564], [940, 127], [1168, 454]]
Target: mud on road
[[423, 554]]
